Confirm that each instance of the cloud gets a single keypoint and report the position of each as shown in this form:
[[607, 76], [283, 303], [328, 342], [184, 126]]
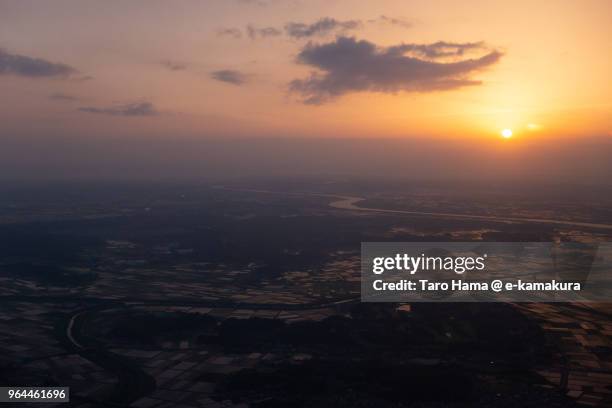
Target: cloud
[[439, 49], [174, 66], [264, 32], [25, 66], [347, 65], [257, 2], [229, 32], [400, 22], [62, 97], [321, 27], [131, 109], [230, 76]]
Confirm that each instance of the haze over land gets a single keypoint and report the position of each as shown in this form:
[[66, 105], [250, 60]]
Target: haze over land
[[584, 161]]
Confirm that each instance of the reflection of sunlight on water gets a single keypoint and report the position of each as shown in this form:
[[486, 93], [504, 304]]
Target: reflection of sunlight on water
[[583, 237], [467, 235]]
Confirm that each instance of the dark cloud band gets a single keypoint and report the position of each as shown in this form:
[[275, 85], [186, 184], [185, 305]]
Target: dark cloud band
[[229, 76], [132, 109], [25, 66]]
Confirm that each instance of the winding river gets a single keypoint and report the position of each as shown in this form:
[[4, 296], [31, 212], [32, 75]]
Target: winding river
[[350, 203]]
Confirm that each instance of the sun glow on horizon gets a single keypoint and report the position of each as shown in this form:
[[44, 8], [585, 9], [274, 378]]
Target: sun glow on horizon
[[506, 133]]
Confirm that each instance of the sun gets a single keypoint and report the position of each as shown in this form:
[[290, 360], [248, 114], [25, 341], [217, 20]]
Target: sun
[[506, 133]]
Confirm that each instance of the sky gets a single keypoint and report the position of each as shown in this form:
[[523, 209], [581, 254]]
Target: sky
[[78, 74]]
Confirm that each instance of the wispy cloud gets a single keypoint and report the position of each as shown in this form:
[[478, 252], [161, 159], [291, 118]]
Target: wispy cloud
[[174, 66], [396, 21], [254, 32], [321, 27], [229, 76], [131, 109], [256, 2], [31, 67], [347, 65], [62, 97], [440, 49], [229, 32]]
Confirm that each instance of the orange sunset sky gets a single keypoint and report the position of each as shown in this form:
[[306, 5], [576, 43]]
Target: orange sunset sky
[[312, 68]]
